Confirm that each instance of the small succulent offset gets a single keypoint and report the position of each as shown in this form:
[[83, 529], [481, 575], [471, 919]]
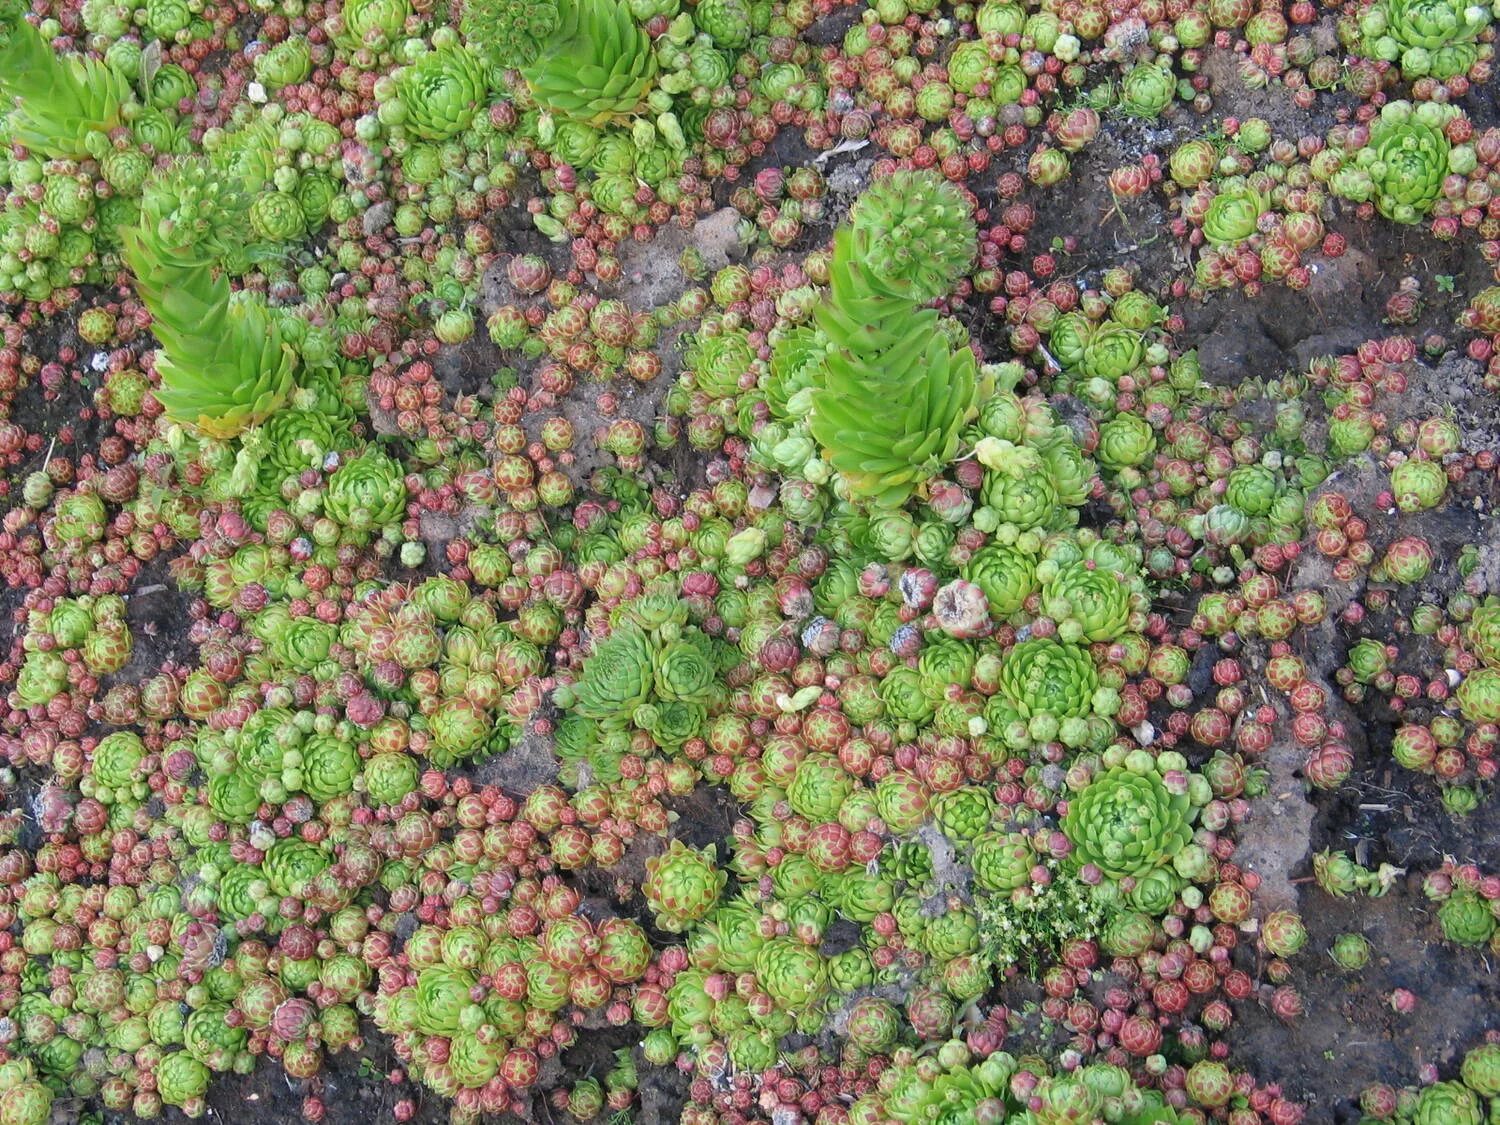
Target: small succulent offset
[[596, 65]]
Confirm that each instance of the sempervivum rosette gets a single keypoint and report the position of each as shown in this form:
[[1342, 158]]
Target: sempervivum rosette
[[1147, 90], [437, 96], [1002, 861], [1006, 574], [596, 65], [1089, 602], [793, 974], [914, 235], [1403, 167], [371, 24], [720, 360], [181, 1080], [1127, 822], [1429, 38], [24, 1100], [367, 492], [1041, 676], [442, 995], [508, 32], [1481, 1070], [291, 864], [1466, 918], [796, 358], [894, 395], [682, 885], [617, 678], [67, 103], [1448, 1103], [1483, 632], [819, 788]]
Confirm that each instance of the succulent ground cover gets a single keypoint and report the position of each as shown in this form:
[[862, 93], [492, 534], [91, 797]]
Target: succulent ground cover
[[749, 561]]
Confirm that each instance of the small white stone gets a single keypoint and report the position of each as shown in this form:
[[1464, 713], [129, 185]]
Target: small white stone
[[256, 93]]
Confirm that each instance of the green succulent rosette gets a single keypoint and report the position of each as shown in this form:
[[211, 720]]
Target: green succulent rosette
[[596, 65], [1146, 90], [1466, 918], [1068, 339], [905, 700], [728, 22], [1041, 676], [1023, 501], [24, 1100], [861, 895], [442, 994], [1478, 696], [1428, 38], [1125, 441], [1448, 1103], [1406, 161], [819, 788], [241, 890], [944, 662], [963, 813], [372, 24], [1072, 474], [618, 677], [794, 975], [1002, 861], [719, 360], [796, 359], [276, 216], [42, 676], [1093, 598], [1233, 215], [508, 33], [1127, 823], [685, 670], [439, 94], [117, 760], [682, 885], [1006, 574], [329, 767], [180, 1078], [291, 864], [913, 234], [894, 395], [234, 796], [1481, 1070], [211, 1040], [367, 492], [285, 64], [69, 622]]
